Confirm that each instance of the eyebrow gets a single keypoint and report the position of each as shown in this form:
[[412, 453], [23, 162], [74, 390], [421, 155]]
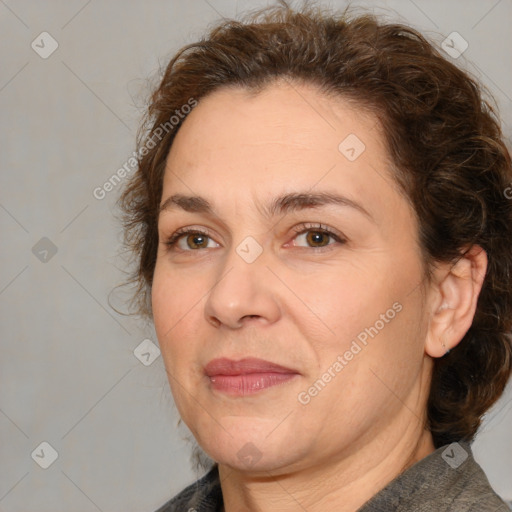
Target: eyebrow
[[286, 203]]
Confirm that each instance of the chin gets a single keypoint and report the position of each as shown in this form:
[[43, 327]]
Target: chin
[[247, 446]]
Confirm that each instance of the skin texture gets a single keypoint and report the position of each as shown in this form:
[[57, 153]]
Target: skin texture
[[302, 302]]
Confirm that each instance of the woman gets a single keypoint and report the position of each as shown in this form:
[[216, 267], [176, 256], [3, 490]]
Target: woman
[[323, 243]]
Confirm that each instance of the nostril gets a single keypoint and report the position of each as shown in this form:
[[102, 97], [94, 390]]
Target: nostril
[[215, 321]]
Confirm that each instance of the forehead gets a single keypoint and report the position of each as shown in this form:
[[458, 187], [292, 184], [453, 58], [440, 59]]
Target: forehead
[[299, 115], [286, 136]]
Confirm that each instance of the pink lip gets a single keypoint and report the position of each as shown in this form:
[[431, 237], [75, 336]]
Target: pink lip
[[246, 376]]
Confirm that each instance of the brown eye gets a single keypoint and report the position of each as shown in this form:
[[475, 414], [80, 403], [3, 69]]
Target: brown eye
[[197, 241], [190, 240], [317, 238]]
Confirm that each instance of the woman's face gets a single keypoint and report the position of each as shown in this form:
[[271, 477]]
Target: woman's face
[[306, 260]]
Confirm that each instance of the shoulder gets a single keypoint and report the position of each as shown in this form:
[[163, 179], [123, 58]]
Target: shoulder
[[447, 480], [204, 495], [471, 490]]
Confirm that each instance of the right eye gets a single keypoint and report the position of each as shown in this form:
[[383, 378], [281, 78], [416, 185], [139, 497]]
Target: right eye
[[189, 240]]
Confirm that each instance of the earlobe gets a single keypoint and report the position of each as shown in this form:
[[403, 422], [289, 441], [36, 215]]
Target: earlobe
[[457, 287]]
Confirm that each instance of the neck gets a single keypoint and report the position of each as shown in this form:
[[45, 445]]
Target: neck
[[344, 484]]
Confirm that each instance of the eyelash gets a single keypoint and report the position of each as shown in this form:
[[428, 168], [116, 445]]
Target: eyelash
[[172, 241]]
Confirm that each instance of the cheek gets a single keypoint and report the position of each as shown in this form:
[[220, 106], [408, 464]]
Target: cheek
[[373, 306], [373, 358], [344, 301], [173, 295], [176, 303]]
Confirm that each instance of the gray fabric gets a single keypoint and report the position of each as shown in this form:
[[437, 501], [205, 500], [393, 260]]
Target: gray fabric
[[448, 479], [202, 496]]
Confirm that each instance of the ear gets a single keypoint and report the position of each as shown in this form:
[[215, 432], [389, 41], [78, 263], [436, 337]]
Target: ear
[[453, 300]]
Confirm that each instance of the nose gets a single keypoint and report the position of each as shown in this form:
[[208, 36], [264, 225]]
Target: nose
[[244, 292]]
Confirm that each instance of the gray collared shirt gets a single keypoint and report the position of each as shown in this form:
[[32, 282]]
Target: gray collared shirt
[[448, 479]]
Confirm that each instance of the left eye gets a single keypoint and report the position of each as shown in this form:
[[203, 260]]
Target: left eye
[[315, 238]]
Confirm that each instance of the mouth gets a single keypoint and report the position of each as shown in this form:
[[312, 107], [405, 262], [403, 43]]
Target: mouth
[[246, 376]]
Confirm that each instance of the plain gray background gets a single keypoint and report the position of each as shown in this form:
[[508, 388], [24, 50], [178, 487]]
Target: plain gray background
[[69, 376]]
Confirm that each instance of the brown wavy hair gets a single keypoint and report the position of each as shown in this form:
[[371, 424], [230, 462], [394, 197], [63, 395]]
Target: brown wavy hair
[[443, 137]]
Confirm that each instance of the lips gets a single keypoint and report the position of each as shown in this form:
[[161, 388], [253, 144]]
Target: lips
[[246, 376]]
